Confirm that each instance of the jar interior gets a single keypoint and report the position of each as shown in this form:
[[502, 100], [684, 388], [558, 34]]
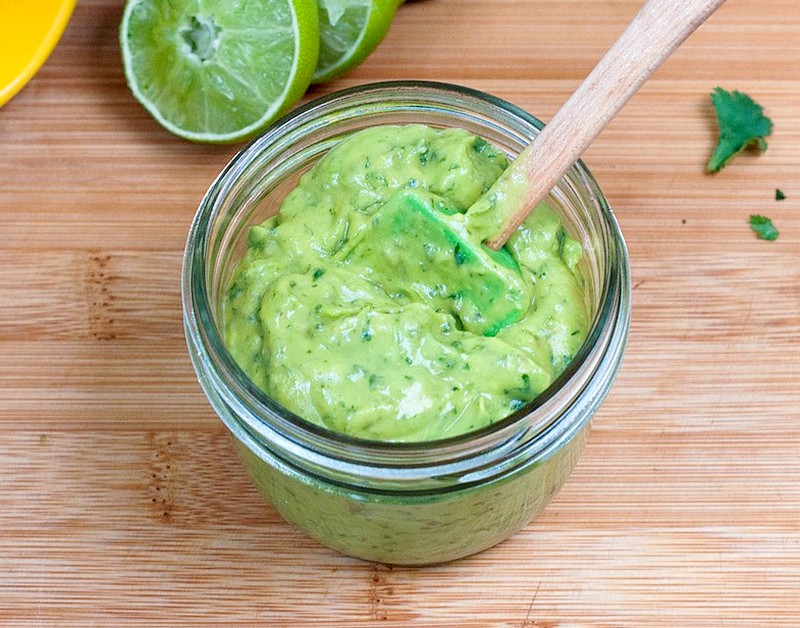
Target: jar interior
[[252, 187], [257, 193]]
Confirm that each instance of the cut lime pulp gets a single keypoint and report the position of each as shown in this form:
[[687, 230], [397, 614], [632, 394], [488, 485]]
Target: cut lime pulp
[[350, 30], [216, 70]]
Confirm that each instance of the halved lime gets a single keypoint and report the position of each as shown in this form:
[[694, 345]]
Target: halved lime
[[349, 31], [218, 70]]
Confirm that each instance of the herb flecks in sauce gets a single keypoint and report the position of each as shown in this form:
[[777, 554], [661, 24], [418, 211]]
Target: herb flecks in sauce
[[336, 348]]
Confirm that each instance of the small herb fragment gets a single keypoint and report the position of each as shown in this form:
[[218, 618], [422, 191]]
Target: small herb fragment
[[460, 255], [779, 195], [741, 123], [763, 227]]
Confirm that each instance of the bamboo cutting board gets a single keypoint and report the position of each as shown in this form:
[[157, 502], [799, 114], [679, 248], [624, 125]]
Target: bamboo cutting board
[[121, 501]]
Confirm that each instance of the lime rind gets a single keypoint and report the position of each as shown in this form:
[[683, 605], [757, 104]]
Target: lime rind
[[233, 67]]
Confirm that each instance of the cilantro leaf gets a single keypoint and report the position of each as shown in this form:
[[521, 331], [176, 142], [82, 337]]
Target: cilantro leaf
[[741, 123], [779, 195], [763, 227]]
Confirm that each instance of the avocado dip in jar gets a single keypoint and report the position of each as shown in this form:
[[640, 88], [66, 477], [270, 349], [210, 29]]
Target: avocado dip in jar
[[369, 404]]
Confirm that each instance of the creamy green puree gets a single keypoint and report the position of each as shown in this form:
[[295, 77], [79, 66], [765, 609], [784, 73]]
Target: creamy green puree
[[349, 347]]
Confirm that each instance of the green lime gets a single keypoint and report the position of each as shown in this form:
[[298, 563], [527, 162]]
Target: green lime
[[215, 70], [349, 31]]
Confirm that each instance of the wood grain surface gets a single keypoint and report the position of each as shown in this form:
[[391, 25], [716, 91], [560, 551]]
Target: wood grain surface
[[121, 501]]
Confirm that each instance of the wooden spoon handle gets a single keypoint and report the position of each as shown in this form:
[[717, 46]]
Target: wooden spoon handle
[[656, 31]]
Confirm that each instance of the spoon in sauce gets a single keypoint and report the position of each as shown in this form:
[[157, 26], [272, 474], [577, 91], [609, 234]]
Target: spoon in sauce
[[659, 28], [461, 257]]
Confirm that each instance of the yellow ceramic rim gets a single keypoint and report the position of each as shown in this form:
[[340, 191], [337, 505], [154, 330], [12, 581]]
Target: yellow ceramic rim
[[29, 33]]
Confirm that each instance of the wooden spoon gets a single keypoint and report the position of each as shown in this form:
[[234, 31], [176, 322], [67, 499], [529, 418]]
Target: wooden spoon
[[656, 31], [421, 249]]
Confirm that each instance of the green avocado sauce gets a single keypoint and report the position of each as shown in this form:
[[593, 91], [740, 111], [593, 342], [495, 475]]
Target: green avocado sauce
[[348, 347]]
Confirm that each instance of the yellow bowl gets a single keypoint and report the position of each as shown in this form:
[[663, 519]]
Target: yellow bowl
[[28, 33]]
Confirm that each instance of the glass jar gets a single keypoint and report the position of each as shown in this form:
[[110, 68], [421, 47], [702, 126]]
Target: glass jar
[[401, 503]]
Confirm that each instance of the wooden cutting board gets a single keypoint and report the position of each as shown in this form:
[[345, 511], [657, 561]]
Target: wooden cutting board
[[121, 502]]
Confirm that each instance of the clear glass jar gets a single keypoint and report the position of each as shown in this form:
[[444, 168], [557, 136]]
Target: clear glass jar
[[411, 503]]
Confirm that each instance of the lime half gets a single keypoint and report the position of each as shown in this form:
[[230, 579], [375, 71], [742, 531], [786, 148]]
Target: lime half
[[349, 31], [217, 70]]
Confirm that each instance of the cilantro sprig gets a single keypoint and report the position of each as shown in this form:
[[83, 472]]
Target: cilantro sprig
[[742, 123]]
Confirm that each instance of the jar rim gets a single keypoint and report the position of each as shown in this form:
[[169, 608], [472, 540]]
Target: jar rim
[[204, 336]]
